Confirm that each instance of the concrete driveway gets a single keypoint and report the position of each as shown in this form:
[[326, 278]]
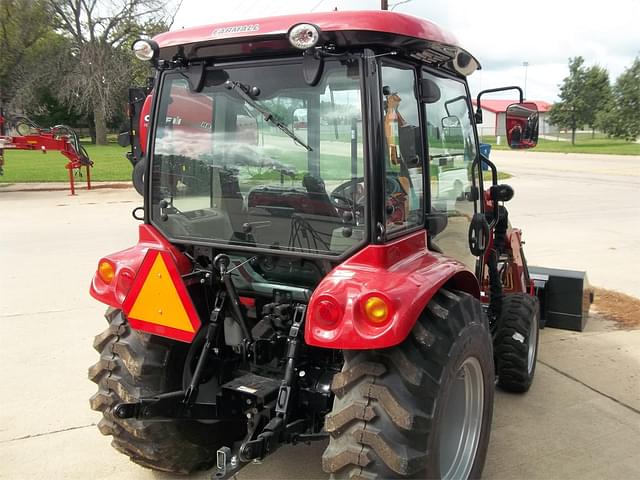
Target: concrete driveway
[[578, 211], [581, 418]]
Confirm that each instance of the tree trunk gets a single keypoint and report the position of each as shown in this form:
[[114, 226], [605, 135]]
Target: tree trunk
[[573, 136], [101, 125], [92, 127], [593, 132]]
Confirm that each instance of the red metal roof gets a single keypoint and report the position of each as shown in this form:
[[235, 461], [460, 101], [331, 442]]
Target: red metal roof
[[376, 21], [500, 106]]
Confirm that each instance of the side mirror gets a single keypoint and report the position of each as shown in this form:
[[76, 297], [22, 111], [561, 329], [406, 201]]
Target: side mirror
[[450, 122], [522, 123]]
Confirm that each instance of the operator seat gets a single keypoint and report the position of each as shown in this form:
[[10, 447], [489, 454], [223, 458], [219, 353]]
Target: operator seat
[[319, 201]]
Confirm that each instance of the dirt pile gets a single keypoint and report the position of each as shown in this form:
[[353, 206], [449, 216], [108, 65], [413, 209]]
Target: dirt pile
[[623, 309]]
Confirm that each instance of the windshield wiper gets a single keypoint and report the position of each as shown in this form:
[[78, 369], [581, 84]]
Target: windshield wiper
[[243, 91]]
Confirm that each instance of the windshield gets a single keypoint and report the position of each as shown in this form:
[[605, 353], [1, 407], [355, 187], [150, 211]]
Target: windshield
[[224, 172]]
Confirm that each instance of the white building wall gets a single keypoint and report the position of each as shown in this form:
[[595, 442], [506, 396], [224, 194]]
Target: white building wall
[[545, 127], [488, 125]]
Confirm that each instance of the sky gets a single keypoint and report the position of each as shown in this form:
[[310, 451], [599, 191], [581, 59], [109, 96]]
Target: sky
[[501, 35]]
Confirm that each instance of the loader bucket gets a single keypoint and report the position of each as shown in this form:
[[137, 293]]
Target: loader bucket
[[565, 297]]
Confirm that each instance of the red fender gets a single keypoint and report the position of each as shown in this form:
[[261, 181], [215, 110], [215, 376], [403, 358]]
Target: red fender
[[404, 273], [143, 127], [126, 265]]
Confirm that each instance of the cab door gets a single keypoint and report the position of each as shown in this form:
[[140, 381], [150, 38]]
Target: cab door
[[452, 149]]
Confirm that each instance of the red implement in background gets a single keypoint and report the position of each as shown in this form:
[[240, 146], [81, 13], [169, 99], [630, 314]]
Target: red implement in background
[[30, 136]]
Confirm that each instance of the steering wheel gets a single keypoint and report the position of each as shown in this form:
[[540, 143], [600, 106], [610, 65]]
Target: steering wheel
[[342, 196]]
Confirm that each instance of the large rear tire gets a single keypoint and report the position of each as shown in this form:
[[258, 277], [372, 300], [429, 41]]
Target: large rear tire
[[422, 409], [134, 365], [516, 342]]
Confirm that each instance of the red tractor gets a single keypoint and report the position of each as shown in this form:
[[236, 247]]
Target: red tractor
[[349, 277]]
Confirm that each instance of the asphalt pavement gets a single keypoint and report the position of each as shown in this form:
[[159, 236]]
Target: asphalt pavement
[[581, 418]]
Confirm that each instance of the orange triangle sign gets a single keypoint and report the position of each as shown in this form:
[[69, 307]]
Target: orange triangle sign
[[158, 301]]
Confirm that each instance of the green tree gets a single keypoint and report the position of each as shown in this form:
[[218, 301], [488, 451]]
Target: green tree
[[101, 32], [572, 111], [38, 79], [597, 94], [22, 24], [622, 117]]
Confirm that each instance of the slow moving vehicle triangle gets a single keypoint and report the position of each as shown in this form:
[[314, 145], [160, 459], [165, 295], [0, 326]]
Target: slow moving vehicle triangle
[[158, 301]]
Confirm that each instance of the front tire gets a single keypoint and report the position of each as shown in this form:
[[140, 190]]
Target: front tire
[[421, 409], [516, 342], [133, 365]]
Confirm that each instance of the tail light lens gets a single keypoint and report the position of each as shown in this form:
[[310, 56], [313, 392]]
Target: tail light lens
[[377, 309], [106, 271], [327, 312], [123, 285]]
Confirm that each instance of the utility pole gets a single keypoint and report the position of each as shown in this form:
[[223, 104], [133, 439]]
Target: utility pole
[[384, 4], [525, 65]]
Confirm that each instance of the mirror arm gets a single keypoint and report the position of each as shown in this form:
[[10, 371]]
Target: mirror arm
[[494, 182], [478, 114]]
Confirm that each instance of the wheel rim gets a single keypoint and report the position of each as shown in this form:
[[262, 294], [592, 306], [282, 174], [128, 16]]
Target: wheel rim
[[462, 423], [533, 342]]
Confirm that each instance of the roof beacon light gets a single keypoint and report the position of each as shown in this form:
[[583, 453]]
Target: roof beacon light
[[304, 35], [145, 49]]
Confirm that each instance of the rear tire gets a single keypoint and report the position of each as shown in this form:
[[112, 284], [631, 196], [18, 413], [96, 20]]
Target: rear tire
[[134, 365], [397, 411], [138, 174], [516, 342]]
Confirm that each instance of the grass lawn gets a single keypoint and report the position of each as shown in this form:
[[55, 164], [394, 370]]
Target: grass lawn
[[584, 144], [109, 164]]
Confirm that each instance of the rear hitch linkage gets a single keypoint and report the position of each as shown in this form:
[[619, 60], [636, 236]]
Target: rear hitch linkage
[[273, 412]]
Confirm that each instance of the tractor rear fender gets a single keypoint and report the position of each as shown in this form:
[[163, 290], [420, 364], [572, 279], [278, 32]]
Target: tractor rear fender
[[126, 263], [404, 274]]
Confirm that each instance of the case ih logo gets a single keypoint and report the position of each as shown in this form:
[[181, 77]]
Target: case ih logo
[[218, 32]]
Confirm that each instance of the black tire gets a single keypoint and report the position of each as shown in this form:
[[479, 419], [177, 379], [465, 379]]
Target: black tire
[[391, 406], [516, 342], [134, 365], [137, 176]]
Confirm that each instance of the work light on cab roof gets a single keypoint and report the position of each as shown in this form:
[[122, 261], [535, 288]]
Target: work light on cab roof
[[145, 49], [304, 35]]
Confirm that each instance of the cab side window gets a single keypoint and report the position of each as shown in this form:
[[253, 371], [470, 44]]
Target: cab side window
[[404, 190], [451, 150]]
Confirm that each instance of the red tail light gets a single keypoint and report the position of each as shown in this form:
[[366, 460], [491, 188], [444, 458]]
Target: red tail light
[[123, 285], [327, 312]]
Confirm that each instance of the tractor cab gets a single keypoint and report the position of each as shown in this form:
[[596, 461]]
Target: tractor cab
[[313, 136]]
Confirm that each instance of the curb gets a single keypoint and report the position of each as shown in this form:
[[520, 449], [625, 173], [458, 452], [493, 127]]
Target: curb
[[60, 186]]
